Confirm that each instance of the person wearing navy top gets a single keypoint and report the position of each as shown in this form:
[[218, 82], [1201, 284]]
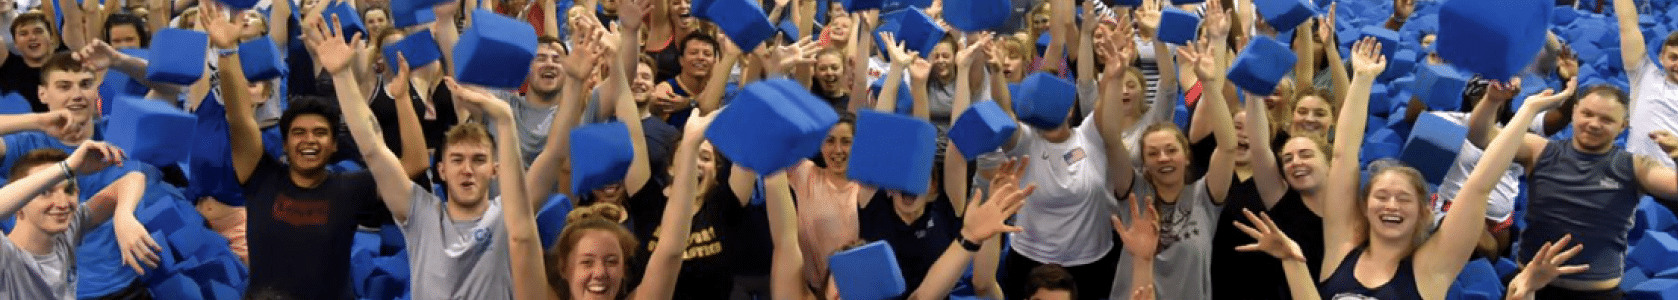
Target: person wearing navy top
[[916, 227]]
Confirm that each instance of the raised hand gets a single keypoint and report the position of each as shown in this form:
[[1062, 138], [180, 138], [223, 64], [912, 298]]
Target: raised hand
[[404, 74], [1503, 91], [698, 122], [93, 156], [1141, 237], [633, 12], [785, 57], [1204, 61], [973, 51], [899, 53], [1325, 26], [1217, 20], [327, 43], [1550, 99], [1271, 239], [1147, 17], [920, 70], [222, 32], [1367, 60], [578, 64], [1119, 54], [986, 220], [1010, 171], [96, 56], [475, 100]]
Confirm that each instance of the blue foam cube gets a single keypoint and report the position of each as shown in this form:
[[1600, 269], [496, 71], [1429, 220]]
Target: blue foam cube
[[237, 4], [261, 59], [390, 239], [861, 5], [1261, 65], [1182, 2], [1177, 26], [404, 13], [1654, 216], [1389, 39], [1401, 63], [191, 241], [600, 155], [177, 287], [396, 266], [13, 104], [348, 18], [919, 32], [1478, 280], [495, 52], [771, 125], [150, 131], [1440, 87], [1433, 146], [184, 63], [982, 128], [220, 290], [789, 31], [1379, 104], [1496, 45], [743, 21], [419, 48], [1654, 289], [1656, 252], [977, 15], [867, 272], [1043, 100], [1563, 15], [893, 152], [550, 220], [1632, 278], [1285, 14], [165, 256]]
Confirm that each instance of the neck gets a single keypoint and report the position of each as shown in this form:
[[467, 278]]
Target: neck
[[1243, 172], [912, 215], [1588, 150], [308, 179], [31, 239], [1385, 251], [464, 212], [693, 84], [1167, 192], [541, 98], [35, 62]]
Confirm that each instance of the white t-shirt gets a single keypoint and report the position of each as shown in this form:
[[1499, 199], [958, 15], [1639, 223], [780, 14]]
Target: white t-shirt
[[1500, 204], [24, 275], [1065, 220], [456, 259], [1654, 106]]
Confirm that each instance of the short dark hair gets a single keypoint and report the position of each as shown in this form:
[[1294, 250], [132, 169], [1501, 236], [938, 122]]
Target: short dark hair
[[36, 158], [697, 36], [311, 105], [1671, 41], [33, 17], [1051, 277], [60, 62], [130, 20], [1609, 90]]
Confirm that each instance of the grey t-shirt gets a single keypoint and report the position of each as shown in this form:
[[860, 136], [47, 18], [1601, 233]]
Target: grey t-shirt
[[456, 259], [24, 275], [1182, 269], [533, 121]]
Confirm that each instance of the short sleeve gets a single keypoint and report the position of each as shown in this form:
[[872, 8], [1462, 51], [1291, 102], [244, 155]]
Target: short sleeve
[[423, 207], [78, 226], [360, 185], [1025, 140], [267, 167]]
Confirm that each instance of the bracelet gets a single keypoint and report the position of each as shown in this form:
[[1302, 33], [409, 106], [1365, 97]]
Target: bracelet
[[970, 246], [226, 52], [66, 167]]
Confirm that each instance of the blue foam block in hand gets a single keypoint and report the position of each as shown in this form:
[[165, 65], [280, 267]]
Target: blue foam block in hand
[[184, 63], [1433, 146], [404, 13], [1496, 45], [150, 131], [867, 272], [743, 21], [1440, 86], [977, 15], [260, 59], [771, 125], [550, 219], [600, 155], [1177, 26], [1656, 252], [419, 48], [982, 128], [893, 152], [1261, 65], [348, 18], [1285, 14], [919, 32], [495, 52], [1043, 100], [1654, 289]]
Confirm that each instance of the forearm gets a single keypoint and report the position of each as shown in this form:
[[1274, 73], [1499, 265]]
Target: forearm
[[19, 192], [1482, 123], [887, 100], [717, 85], [10, 124], [1339, 79], [942, 277], [659, 280], [415, 159], [787, 278], [917, 91], [1300, 283], [545, 171], [244, 135]]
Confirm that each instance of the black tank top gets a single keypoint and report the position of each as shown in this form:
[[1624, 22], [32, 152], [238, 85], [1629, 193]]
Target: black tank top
[[1343, 285]]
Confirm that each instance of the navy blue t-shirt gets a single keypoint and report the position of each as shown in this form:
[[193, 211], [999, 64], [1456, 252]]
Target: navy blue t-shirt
[[917, 244], [300, 237]]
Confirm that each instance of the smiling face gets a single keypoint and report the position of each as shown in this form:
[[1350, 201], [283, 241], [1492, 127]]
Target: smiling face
[[467, 168], [1165, 158], [309, 143], [1242, 156], [840, 29], [1312, 116], [836, 149], [830, 70], [697, 57], [376, 20], [72, 90], [595, 269], [1304, 164], [943, 61], [51, 209], [34, 40], [642, 86], [1669, 61], [1597, 120], [544, 75], [1394, 206]]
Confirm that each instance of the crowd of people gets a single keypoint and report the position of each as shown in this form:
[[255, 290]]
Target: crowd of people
[[1165, 175]]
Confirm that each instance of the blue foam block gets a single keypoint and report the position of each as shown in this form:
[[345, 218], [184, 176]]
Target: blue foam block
[[743, 21], [1261, 65], [1177, 26], [1653, 216], [1506, 268], [1285, 14], [214, 271], [919, 32], [165, 256], [391, 239], [1043, 100], [789, 31], [600, 155], [13, 104], [220, 290], [184, 63], [1440, 86], [361, 268], [977, 15], [177, 287], [419, 48], [261, 59], [1656, 252], [1654, 289], [550, 220], [893, 152], [1401, 63], [867, 272], [771, 125], [192, 241], [238, 4], [1433, 146], [1668, 273], [1477, 281], [905, 96], [396, 266], [860, 5], [982, 128], [1563, 15], [1182, 2], [1379, 104], [348, 18], [150, 131], [404, 13], [1496, 45], [1389, 39], [495, 52], [160, 217], [1632, 278]]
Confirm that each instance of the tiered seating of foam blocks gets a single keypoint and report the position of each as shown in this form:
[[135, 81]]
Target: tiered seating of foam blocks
[[495, 52], [1043, 100], [195, 263], [1496, 45], [977, 15], [1654, 289], [1433, 146], [261, 59], [150, 131], [1402, 63], [893, 152], [1384, 143], [1656, 252], [550, 219], [1651, 216], [867, 272], [982, 128], [184, 63], [775, 112], [1477, 281], [1177, 26], [1261, 65], [601, 154], [419, 48]]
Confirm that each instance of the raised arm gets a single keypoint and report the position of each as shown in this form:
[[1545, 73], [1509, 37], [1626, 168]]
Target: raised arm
[[640, 169], [244, 134], [1657, 179], [955, 165], [982, 222], [1266, 174], [394, 185], [1440, 258], [901, 57], [1220, 169], [1201, 125], [1338, 76], [1633, 49], [787, 274], [863, 41], [1341, 229], [1482, 122], [1270, 239], [98, 55], [1109, 113], [716, 85], [659, 281], [74, 33], [550, 172]]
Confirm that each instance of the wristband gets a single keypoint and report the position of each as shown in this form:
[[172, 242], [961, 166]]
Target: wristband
[[66, 167], [227, 52], [970, 246]]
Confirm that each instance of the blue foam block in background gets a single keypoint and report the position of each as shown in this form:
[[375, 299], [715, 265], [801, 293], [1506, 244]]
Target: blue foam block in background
[[1285, 14], [860, 5], [12, 104], [743, 21], [419, 48], [177, 287], [404, 13], [1401, 63], [893, 152], [771, 125], [1496, 45], [1656, 252], [1440, 86], [600, 155], [1043, 100], [981, 128], [1433, 146], [550, 220], [977, 15], [495, 52], [261, 59], [150, 131], [1389, 39], [1654, 289], [867, 272], [1261, 65], [1177, 26], [184, 63]]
